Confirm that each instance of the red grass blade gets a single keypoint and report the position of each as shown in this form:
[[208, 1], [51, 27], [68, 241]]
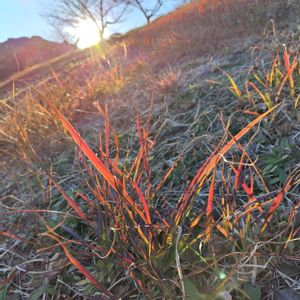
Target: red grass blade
[[107, 130], [13, 236], [86, 199], [237, 179], [211, 195], [114, 182], [290, 69], [144, 203], [289, 74], [82, 269], [71, 202], [278, 199], [212, 161], [182, 203]]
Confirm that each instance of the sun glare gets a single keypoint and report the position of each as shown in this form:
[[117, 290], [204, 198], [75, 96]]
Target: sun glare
[[87, 34]]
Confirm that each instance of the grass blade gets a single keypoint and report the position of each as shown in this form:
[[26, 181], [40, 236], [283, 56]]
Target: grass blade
[[71, 202], [82, 269], [212, 161], [112, 180]]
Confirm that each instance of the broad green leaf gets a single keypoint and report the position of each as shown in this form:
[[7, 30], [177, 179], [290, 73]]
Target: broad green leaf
[[191, 290], [36, 294], [253, 292]]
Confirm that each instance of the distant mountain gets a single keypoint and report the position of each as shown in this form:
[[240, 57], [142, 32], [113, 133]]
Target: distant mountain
[[21, 53]]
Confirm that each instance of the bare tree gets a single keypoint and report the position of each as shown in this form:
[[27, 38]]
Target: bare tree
[[68, 13], [61, 34], [148, 10]]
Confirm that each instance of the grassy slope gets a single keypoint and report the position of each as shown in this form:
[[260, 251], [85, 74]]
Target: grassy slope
[[19, 54], [169, 63]]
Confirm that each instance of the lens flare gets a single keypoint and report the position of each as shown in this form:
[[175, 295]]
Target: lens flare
[[87, 33]]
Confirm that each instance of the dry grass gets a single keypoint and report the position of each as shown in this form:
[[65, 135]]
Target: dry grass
[[197, 28], [172, 191]]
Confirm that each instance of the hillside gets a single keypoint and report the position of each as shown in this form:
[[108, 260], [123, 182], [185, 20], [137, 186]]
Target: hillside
[[163, 164], [21, 53]]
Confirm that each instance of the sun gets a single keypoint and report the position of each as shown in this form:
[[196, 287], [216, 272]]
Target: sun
[[87, 34]]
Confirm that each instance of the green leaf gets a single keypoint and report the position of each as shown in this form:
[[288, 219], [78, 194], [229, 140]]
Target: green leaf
[[191, 290], [82, 282], [282, 175], [36, 294], [3, 291], [275, 180], [169, 257], [253, 292]]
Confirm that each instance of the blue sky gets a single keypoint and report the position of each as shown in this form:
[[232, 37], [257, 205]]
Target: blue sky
[[23, 18]]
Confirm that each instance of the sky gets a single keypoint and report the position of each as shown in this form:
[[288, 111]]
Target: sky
[[20, 18]]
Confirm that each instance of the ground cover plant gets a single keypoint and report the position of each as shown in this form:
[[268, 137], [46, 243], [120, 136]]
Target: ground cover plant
[[173, 195]]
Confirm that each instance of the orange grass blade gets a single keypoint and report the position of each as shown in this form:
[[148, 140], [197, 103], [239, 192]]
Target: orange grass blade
[[165, 177], [144, 149], [71, 202], [238, 173], [253, 113], [248, 190], [107, 175], [82, 269], [87, 150], [116, 159], [13, 236], [86, 199], [210, 208], [213, 160], [288, 76], [233, 141], [288, 68], [196, 221], [211, 195], [13, 90], [272, 73], [144, 203], [223, 231], [182, 203], [278, 199], [141, 233], [107, 130]]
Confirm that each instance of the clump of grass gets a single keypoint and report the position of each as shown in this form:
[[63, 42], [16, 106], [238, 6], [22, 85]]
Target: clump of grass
[[120, 236], [168, 80], [111, 82], [118, 239], [272, 87], [278, 83], [161, 253], [21, 130]]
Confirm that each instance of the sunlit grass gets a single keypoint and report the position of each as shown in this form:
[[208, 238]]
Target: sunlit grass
[[131, 212]]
